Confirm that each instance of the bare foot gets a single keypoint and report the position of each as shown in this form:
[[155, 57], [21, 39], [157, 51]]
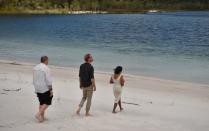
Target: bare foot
[[42, 115], [88, 114], [114, 112], [39, 118], [121, 109], [45, 119], [78, 112]]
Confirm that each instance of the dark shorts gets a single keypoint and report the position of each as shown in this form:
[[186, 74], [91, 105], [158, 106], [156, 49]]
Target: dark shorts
[[45, 98]]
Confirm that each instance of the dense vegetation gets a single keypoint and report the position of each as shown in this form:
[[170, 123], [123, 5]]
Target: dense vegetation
[[122, 6]]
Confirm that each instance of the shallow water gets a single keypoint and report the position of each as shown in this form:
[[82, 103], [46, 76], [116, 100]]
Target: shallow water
[[166, 45]]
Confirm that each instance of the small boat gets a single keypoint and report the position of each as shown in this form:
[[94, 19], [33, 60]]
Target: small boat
[[153, 11]]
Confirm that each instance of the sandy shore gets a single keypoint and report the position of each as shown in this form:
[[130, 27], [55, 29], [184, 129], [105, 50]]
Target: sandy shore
[[157, 104]]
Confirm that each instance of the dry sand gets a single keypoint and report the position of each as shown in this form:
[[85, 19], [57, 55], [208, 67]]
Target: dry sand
[[156, 104]]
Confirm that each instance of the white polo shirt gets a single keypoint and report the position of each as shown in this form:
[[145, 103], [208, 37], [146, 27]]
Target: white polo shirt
[[42, 78]]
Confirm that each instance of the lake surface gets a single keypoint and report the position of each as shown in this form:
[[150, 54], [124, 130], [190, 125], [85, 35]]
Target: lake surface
[[166, 45]]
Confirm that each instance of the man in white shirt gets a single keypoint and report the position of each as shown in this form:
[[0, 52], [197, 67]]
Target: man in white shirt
[[42, 82]]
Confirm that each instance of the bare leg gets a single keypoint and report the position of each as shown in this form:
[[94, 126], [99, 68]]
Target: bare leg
[[119, 103], [40, 114], [43, 109], [114, 107]]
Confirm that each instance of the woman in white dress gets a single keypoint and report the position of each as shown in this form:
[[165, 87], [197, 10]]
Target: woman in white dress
[[118, 82]]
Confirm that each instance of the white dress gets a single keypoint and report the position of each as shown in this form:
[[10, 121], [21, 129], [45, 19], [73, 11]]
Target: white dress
[[117, 88]]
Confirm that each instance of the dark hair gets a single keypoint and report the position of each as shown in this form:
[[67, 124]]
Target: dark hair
[[118, 69], [44, 58], [86, 57]]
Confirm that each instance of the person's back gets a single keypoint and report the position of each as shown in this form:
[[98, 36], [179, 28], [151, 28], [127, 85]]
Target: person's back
[[86, 73], [40, 80], [87, 83], [116, 81]]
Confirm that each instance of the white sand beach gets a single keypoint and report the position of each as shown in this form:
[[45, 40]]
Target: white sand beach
[[151, 104]]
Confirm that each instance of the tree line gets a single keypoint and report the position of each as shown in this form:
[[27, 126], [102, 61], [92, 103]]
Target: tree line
[[105, 5]]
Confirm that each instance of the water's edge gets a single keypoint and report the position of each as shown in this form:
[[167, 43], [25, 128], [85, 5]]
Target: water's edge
[[21, 63]]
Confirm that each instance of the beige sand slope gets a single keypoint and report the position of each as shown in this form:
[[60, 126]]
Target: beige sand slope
[[163, 105]]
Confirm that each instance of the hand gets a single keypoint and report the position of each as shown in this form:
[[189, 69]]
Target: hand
[[51, 93], [111, 80], [94, 88], [81, 87]]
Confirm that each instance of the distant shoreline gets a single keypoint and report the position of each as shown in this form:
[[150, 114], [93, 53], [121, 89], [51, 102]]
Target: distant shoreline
[[52, 11], [67, 12]]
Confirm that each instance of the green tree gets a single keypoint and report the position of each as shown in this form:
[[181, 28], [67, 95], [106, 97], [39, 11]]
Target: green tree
[[75, 5]]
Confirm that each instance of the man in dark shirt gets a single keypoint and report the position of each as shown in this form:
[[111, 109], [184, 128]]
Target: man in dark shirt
[[87, 83]]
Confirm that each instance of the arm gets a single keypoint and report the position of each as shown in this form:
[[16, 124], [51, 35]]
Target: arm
[[93, 79], [122, 81], [33, 78], [93, 84], [80, 83], [49, 81], [111, 80]]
